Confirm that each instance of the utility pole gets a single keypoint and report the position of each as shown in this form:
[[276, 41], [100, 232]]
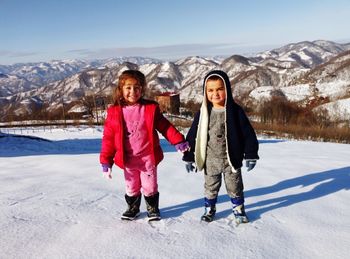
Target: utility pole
[[64, 112], [95, 104], [94, 96]]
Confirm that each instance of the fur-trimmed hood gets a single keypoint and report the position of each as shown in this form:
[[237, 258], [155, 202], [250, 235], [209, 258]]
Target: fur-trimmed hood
[[226, 80]]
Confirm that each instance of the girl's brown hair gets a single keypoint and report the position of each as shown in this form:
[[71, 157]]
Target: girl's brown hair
[[127, 74]]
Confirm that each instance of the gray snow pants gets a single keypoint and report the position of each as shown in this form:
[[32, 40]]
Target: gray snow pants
[[213, 171]]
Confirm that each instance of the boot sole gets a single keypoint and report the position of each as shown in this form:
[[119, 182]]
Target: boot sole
[[130, 218], [207, 219], [156, 218], [241, 219]]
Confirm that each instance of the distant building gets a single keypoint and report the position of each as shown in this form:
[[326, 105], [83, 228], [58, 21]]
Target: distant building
[[169, 102]]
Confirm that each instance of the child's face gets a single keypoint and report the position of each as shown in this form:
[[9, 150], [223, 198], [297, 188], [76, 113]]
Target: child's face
[[131, 91], [216, 93]]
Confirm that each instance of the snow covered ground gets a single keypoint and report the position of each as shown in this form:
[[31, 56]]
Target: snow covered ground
[[54, 203]]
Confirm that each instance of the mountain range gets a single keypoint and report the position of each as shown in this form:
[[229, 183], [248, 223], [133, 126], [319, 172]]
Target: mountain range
[[301, 72]]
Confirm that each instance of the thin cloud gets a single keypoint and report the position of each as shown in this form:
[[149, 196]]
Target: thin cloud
[[170, 51], [80, 51], [17, 54]]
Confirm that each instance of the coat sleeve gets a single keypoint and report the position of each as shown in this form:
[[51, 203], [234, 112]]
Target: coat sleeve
[[167, 129], [251, 144], [191, 138], [108, 146]]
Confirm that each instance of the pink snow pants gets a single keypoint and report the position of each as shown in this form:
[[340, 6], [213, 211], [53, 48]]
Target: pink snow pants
[[140, 176]]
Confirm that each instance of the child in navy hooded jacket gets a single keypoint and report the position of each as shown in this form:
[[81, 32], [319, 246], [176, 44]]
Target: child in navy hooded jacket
[[220, 137]]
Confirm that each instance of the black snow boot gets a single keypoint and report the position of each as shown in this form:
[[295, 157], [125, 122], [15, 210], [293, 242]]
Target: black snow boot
[[209, 213], [133, 207], [152, 203]]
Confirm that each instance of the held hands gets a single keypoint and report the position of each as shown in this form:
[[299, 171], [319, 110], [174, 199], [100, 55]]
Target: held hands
[[182, 147], [106, 171], [190, 167], [250, 164]]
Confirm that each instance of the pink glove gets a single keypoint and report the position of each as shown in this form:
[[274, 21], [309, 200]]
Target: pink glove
[[182, 147], [106, 171]]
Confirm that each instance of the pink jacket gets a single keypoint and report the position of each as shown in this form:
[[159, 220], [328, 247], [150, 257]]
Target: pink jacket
[[112, 140]]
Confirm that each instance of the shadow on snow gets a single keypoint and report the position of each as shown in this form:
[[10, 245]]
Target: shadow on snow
[[326, 183], [271, 141], [13, 145], [21, 145]]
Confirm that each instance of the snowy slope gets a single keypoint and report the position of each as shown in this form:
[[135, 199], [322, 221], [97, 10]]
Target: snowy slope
[[55, 204], [338, 106]]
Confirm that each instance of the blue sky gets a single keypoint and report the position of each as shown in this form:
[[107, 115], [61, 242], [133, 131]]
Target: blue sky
[[42, 30]]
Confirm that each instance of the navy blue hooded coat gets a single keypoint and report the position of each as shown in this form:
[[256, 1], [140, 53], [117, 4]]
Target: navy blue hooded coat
[[241, 141]]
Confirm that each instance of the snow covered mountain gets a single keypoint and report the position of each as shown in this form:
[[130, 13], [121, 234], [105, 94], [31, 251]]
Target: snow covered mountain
[[328, 84], [43, 73], [12, 84], [305, 54], [301, 72]]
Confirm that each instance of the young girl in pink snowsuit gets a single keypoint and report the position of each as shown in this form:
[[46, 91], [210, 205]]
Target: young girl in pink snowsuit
[[130, 140]]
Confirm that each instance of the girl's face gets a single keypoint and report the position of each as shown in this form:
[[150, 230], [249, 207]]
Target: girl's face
[[131, 91], [216, 93]]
